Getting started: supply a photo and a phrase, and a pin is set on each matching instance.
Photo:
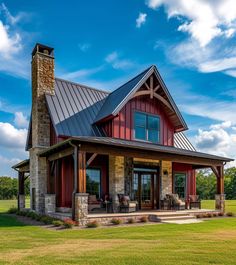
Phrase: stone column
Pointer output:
(81, 208)
(116, 178)
(166, 178)
(220, 202)
(50, 203)
(128, 169)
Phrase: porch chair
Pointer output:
(93, 203)
(194, 201)
(176, 202)
(126, 205)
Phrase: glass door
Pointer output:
(146, 190)
(143, 188)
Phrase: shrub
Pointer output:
(47, 220)
(116, 221)
(57, 223)
(205, 215)
(131, 221)
(12, 210)
(230, 214)
(215, 214)
(143, 219)
(220, 214)
(92, 224)
(68, 223)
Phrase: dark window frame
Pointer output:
(100, 181)
(185, 187)
(146, 127)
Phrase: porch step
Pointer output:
(172, 218)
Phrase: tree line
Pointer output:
(206, 185)
(9, 188)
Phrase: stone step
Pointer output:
(156, 218)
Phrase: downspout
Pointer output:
(75, 178)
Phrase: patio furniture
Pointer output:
(93, 203)
(194, 201)
(166, 204)
(107, 203)
(176, 202)
(126, 205)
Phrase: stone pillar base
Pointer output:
(50, 203)
(220, 202)
(81, 208)
(21, 201)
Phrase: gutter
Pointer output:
(75, 177)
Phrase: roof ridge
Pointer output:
(79, 84)
(146, 70)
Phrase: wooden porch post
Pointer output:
(80, 197)
(220, 196)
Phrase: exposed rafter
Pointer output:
(151, 90)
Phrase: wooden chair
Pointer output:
(194, 201)
(176, 202)
(126, 205)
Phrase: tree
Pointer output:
(9, 188)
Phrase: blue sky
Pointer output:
(104, 43)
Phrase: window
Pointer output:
(180, 185)
(146, 127)
(93, 182)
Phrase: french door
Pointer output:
(145, 189)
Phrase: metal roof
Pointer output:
(134, 145)
(118, 95)
(181, 141)
(74, 107)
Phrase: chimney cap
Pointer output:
(41, 48)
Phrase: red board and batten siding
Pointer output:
(122, 125)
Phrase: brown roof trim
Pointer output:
(133, 145)
(21, 164)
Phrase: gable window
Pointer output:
(146, 127)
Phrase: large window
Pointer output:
(180, 185)
(93, 182)
(146, 127)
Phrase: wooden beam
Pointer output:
(164, 101)
(81, 172)
(151, 86)
(61, 154)
(219, 173)
(147, 85)
(156, 88)
(142, 93)
(130, 152)
(93, 156)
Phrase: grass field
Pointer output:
(210, 242)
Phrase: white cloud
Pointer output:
(84, 47)
(118, 63)
(82, 73)
(210, 27)
(219, 139)
(11, 44)
(11, 137)
(141, 20)
(20, 120)
(6, 164)
(203, 20)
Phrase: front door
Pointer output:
(144, 184)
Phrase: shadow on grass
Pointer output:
(7, 220)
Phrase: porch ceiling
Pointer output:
(106, 145)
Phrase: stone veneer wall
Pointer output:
(42, 82)
(166, 180)
(116, 178)
(81, 208)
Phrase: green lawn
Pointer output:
(210, 242)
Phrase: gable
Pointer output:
(148, 83)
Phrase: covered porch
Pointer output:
(142, 171)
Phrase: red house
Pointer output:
(91, 148)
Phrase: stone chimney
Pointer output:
(42, 83)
